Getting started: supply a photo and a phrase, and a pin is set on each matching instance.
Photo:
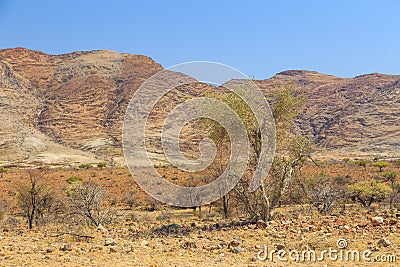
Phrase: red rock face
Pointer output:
(76, 102)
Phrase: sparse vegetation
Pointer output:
(362, 162)
(368, 192)
(380, 165)
(101, 165)
(88, 203)
(35, 198)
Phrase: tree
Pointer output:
(292, 148)
(323, 192)
(35, 198)
(88, 202)
(368, 192)
(380, 164)
(362, 162)
(391, 176)
(101, 165)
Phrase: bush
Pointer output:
(362, 163)
(368, 192)
(88, 203)
(85, 166)
(101, 165)
(346, 160)
(35, 198)
(74, 179)
(380, 164)
(3, 170)
(323, 192)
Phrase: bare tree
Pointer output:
(88, 203)
(35, 198)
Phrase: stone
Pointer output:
(144, 243)
(109, 242)
(66, 247)
(102, 229)
(49, 250)
(280, 246)
(261, 224)
(383, 242)
(363, 224)
(233, 243)
(113, 249)
(376, 221)
(95, 248)
(237, 250)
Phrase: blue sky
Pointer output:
(260, 38)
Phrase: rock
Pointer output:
(237, 250)
(223, 243)
(102, 229)
(376, 221)
(392, 222)
(363, 224)
(189, 244)
(66, 247)
(233, 243)
(346, 227)
(261, 224)
(109, 242)
(95, 248)
(280, 246)
(49, 250)
(383, 242)
(113, 249)
(144, 243)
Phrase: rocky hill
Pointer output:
(69, 108)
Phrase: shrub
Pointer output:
(88, 203)
(362, 163)
(74, 179)
(85, 166)
(380, 164)
(323, 192)
(368, 192)
(35, 198)
(346, 160)
(101, 165)
(3, 170)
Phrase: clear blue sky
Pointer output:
(261, 38)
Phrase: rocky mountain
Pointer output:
(69, 108)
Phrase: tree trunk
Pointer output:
(266, 213)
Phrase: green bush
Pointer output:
(346, 160)
(362, 163)
(101, 165)
(74, 179)
(368, 192)
(85, 166)
(380, 164)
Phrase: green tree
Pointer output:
(368, 192)
(362, 162)
(101, 165)
(380, 164)
(291, 147)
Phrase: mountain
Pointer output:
(62, 109)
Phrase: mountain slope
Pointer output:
(69, 108)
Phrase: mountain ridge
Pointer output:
(68, 108)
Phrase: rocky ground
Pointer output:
(149, 239)
(183, 237)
